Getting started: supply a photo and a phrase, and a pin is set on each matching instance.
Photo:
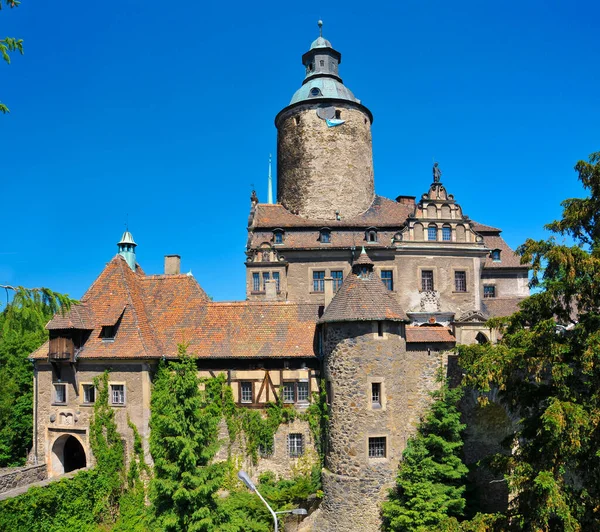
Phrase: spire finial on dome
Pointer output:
(320, 24)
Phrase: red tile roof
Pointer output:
(158, 312)
(383, 212)
(501, 306)
(363, 299)
(481, 228)
(508, 258)
(428, 334)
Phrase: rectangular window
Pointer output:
(376, 394)
(319, 281)
(338, 277)
(278, 237)
(265, 449)
(446, 234)
(60, 393)
(289, 392)
(303, 392)
(325, 237)
(489, 290)
(276, 279)
(377, 447)
(432, 233)
(117, 394)
(295, 445)
(380, 329)
(89, 394)
(460, 281)
(246, 392)
(266, 276)
(387, 276)
(108, 333)
(426, 280)
(256, 282)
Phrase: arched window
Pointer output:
(371, 235)
(446, 211)
(432, 232)
(278, 236)
(446, 233)
(481, 338)
(418, 232)
(460, 233)
(496, 255)
(325, 236)
(431, 211)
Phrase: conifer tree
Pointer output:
(183, 443)
(8, 45)
(547, 368)
(431, 480)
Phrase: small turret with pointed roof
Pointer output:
(127, 247)
(363, 297)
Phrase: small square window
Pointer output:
(489, 291)
(446, 234)
(376, 394)
(387, 276)
(338, 278)
(117, 394)
(295, 445)
(460, 281)
(60, 393)
(256, 282)
(246, 392)
(377, 447)
(427, 280)
(303, 392)
(108, 333)
(319, 281)
(289, 392)
(89, 394)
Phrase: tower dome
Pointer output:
(324, 149)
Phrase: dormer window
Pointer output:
(278, 236)
(325, 236)
(496, 255)
(108, 333)
(315, 92)
(371, 235)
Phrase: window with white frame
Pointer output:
(489, 290)
(289, 392)
(60, 393)
(460, 281)
(303, 392)
(295, 445)
(377, 447)
(117, 394)
(319, 281)
(246, 392)
(376, 394)
(89, 394)
(426, 280)
(495, 255)
(278, 237)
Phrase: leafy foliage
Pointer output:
(9, 44)
(21, 332)
(547, 367)
(431, 479)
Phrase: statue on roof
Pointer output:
(437, 173)
(253, 198)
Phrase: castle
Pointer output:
(364, 292)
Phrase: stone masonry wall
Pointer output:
(15, 477)
(322, 169)
(355, 357)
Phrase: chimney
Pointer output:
(328, 290)
(172, 264)
(271, 290)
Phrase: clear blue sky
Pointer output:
(163, 112)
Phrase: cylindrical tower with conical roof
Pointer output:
(324, 148)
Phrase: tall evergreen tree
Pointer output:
(431, 479)
(8, 45)
(547, 367)
(183, 442)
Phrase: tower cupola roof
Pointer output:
(127, 238)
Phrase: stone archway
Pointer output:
(67, 455)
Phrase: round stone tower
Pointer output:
(324, 148)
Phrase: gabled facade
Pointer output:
(364, 292)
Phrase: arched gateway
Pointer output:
(67, 455)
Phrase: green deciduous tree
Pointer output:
(183, 443)
(547, 367)
(8, 45)
(431, 479)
